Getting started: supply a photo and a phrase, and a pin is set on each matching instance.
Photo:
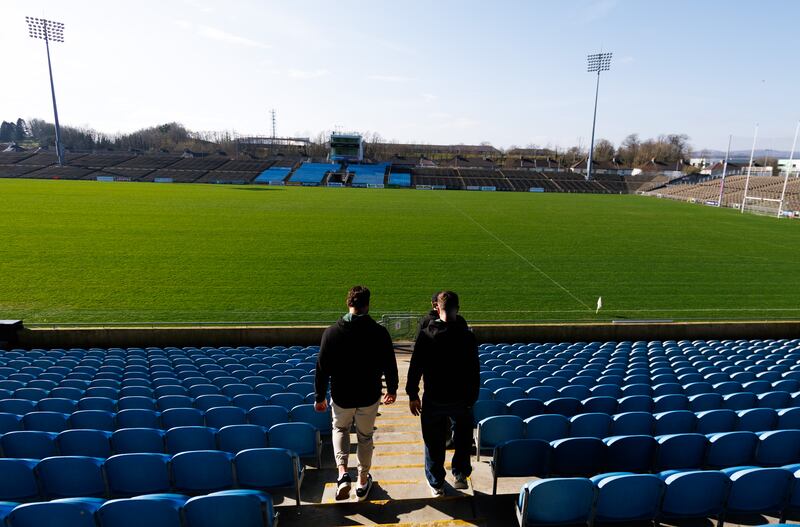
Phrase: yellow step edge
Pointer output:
(433, 523)
(406, 453)
(409, 465)
(415, 442)
(387, 501)
(384, 482)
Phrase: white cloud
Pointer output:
(213, 33)
(429, 97)
(388, 78)
(307, 74)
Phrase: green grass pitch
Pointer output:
(133, 252)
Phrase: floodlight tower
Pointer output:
(596, 62)
(48, 30)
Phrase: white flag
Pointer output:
(599, 304)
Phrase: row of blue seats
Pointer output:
(528, 406)
(216, 418)
(302, 437)
(218, 509)
(494, 430)
(587, 456)
(645, 344)
(125, 475)
(627, 497)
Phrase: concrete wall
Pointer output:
(310, 335)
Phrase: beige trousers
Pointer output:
(343, 419)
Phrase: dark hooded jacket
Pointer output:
(355, 353)
(434, 315)
(445, 357)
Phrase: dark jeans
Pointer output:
(435, 431)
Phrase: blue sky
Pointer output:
(511, 72)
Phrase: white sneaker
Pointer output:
(437, 492)
(343, 487)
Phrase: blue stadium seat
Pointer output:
(56, 404)
(105, 404)
(547, 427)
(187, 438)
(590, 425)
(247, 401)
(524, 408)
(556, 501)
(705, 401)
(543, 393)
(268, 389)
(93, 419)
(71, 477)
(301, 438)
(694, 494)
(633, 423)
(740, 401)
(30, 394)
(627, 497)
(136, 418)
(138, 440)
(137, 512)
(631, 453)
(222, 510)
(575, 391)
(668, 403)
(136, 402)
(206, 402)
(45, 421)
(577, 456)
(636, 389)
(731, 449)
(269, 469)
(137, 474)
(287, 400)
(10, 422)
(675, 422)
(90, 443)
(712, 421)
(635, 403)
(566, 406)
(483, 409)
(600, 404)
(165, 402)
(680, 451)
(778, 447)
(203, 389)
(29, 444)
(495, 430)
(788, 418)
(520, 457)
(508, 394)
(202, 471)
(305, 413)
(775, 400)
(18, 480)
(182, 417)
(143, 391)
(236, 388)
(17, 406)
(757, 419)
(58, 513)
(235, 438)
(267, 416)
(758, 490)
(220, 416)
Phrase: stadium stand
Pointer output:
(367, 175)
(438, 178)
(273, 174)
(100, 160)
(483, 178)
(232, 177)
(708, 191)
(44, 159)
(152, 162)
(120, 174)
(169, 175)
(199, 163)
(399, 179)
(12, 158)
(311, 173)
(59, 172)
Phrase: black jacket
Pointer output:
(446, 358)
(354, 355)
(431, 316)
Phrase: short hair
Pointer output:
(435, 297)
(358, 297)
(448, 300)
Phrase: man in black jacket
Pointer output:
(446, 357)
(355, 353)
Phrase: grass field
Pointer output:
(128, 252)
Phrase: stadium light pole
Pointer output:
(595, 63)
(48, 30)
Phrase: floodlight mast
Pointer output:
(596, 62)
(48, 30)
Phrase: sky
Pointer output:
(445, 72)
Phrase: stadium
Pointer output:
(166, 298)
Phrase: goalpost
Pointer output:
(766, 204)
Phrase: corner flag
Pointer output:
(599, 304)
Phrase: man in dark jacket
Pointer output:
(354, 355)
(445, 357)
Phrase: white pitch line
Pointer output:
(507, 246)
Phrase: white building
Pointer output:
(792, 165)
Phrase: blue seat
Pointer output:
(740, 401)
(10, 422)
(575, 391)
(778, 447)
(757, 419)
(17, 406)
(731, 449)
(268, 469)
(236, 388)
(93, 419)
(498, 429)
(305, 413)
(675, 422)
(267, 416)
(520, 457)
(206, 402)
(58, 513)
(631, 453)
(775, 400)
(566, 406)
(268, 389)
(758, 490)
(547, 427)
(220, 416)
(788, 418)
(524, 408)
(287, 400)
(694, 494)
(182, 417)
(712, 421)
(187, 438)
(627, 497)
(600, 404)
(640, 389)
(64, 392)
(727, 388)
(29, 444)
(30, 394)
(138, 440)
(144, 391)
(222, 510)
(247, 401)
(668, 403)
(136, 418)
(633, 423)
(136, 402)
(508, 394)
(300, 388)
(543, 393)
(680, 451)
(202, 471)
(18, 480)
(576, 456)
(705, 401)
(590, 425)
(301, 438)
(137, 512)
(496, 383)
(137, 474)
(45, 421)
(607, 390)
(484, 394)
(694, 388)
(57, 404)
(667, 388)
(105, 404)
(202, 388)
(757, 387)
(90, 443)
(483, 409)
(71, 477)
(165, 402)
(235, 438)
(635, 403)
(556, 501)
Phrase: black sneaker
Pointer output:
(343, 486)
(363, 491)
(461, 483)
